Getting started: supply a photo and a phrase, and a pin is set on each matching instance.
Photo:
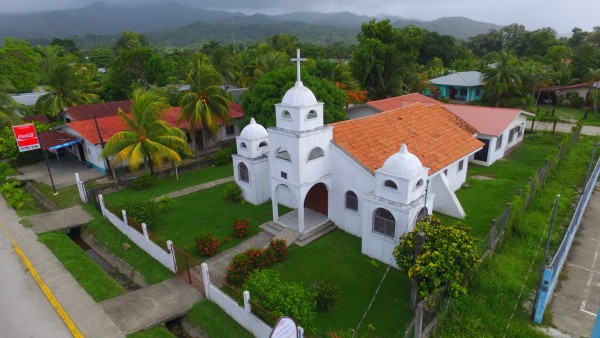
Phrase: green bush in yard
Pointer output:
(233, 192)
(325, 293)
(223, 155)
(143, 210)
(144, 182)
(282, 298)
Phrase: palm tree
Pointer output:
(8, 106)
(205, 102)
(150, 140)
(66, 86)
(593, 77)
(503, 78)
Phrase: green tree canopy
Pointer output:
(260, 101)
(131, 40)
(19, 63)
(503, 78)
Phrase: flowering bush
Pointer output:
(207, 245)
(244, 263)
(240, 228)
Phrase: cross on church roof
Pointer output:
(298, 59)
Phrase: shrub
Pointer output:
(142, 210)
(233, 192)
(223, 155)
(16, 197)
(282, 298)
(207, 245)
(164, 204)
(325, 293)
(279, 246)
(240, 228)
(144, 182)
(244, 263)
(444, 99)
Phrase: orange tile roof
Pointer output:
(403, 100)
(435, 135)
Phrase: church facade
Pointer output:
(369, 176)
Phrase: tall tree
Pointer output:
(131, 40)
(502, 79)
(150, 140)
(206, 101)
(19, 63)
(593, 78)
(8, 106)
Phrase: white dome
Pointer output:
(254, 131)
(299, 96)
(403, 164)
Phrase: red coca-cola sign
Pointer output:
(26, 137)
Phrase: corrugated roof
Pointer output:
(435, 135)
(53, 138)
(88, 111)
(463, 79)
(403, 100)
(487, 120)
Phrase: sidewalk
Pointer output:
(193, 189)
(88, 316)
(562, 127)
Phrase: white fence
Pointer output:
(166, 258)
(242, 315)
(81, 188)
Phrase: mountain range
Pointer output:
(175, 24)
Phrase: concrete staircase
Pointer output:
(294, 237)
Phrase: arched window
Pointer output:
(351, 201)
(390, 184)
(384, 223)
(311, 115)
(263, 144)
(243, 145)
(419, 184)
(315, 153)
(286, 115)
(283, 154)
(243, 172)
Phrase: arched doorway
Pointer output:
(317, 199)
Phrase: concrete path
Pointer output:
(88, 316)
(63, 174)
(577, 298)
(152, 305)
(192, 189)
(59, 219)
(563, 128)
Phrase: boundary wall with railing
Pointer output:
(552, 271)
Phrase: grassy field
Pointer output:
(494, 290)
(207, 211)
(572, 114)
(483, 200)
(104, 232)
(159, 331)
(97, 283)
(337, 257)
(214, 321)
(171, 184)
(66, 198)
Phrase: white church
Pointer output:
(373, 176)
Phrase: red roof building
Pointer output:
(88, 111)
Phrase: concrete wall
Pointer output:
(446, 201)
(258, 189)
(360, 111)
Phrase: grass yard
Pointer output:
(66, 198)
(159, 331)
(566, 113)
(104, 232)
(171, 184)
(97, 283)
(207, 211)
(337, 257)
(483, 200)
(214, 321)
(495, 288)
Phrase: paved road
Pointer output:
(563, 128)
(24, 310)
(577, 298)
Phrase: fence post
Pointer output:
(532, 123)
(491, 245)
(419, 320)
(300, 332)
(145, 231)
(205, 279)
(124, 213)
(102, 207)
(507, 217)
(171, 250)
(247, 308)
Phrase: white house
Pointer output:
(500, 129)
(373, 177)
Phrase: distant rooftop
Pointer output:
(463, 79)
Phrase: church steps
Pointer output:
(315, 234)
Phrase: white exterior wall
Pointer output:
(258, 189)
(496, 154)
(347, 174)
(360, 111)
(519, 121)
(455, 177)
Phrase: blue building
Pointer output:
(461, 86)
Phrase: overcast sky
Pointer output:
(561, 15)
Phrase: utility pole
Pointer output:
(108, 166)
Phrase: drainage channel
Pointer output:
(75, 235)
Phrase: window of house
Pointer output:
(511, 135)
(463, 92)
(390, 184)
(461, 165)
(243, 145)
(243, 172)
(499, 142)
(283, 174)
(283, 154)
(286, 115)
(315, 153)
(230, 130)
(520, 130)
(351, 201)
(384, 223)
(263, 144)
(477, 92)
(311, 114)
(419, 184)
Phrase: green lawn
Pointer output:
(483, 200)
(214, 321)
(337, 257)
(104, 232)
(207, 211)
(566, 113)
(171, 184)
(155, 332)
(67, 196)
(96, 282)
(493, 292)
